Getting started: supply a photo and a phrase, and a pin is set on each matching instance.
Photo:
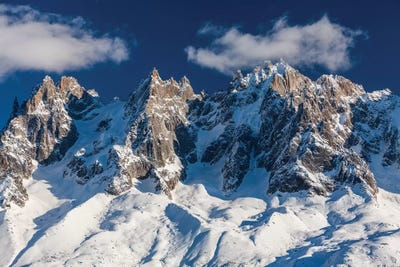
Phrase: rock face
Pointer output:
(293, 127)
(303, 146)
(154, 111)
(308, 135)
(41, 134)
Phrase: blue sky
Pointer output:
(112, 45)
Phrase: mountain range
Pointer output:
(275, 170)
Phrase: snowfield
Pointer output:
(68, 225)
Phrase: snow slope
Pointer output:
(199, 227)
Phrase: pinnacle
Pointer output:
(155, 74)
(47, 79)
(184, 80)
(68, 78)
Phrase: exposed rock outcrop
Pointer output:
(304, 132)
(41, 133)
(308, 135)
(155, 110)
(296, 129)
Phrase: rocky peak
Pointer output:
(70, 86)
(307, 135)
(155, 89)
(296, 127)
(156, 110)
(47, 80)
(339, 86)
(170, 88)
(43, 132)
(46, 93)
(291, 82)
(50, 95)
(304, 132)
(155, 75)
(184, 81)
(260, 74)
(237, 81)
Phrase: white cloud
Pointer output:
(31, 40)
(322, 43)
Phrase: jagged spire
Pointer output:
(184, 80)
(238, 75)
(47, 79)
(155, 74)
(236, 81)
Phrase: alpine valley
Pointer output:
(276, 170)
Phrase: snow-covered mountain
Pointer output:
(276, 170)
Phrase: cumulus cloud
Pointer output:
(31, 40)
(322, 43)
